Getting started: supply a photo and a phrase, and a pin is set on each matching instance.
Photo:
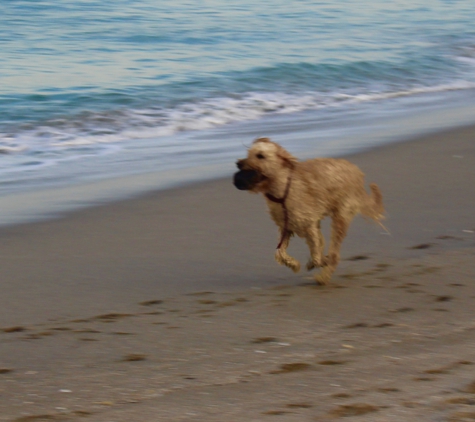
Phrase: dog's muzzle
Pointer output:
(246, 179)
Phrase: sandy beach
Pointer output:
(170, 306)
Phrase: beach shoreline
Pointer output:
(134, 168)
(169, 305)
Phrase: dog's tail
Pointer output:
(374, 207)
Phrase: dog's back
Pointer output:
(337, 184)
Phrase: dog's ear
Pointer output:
(287, 158)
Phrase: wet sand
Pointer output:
(170, 306)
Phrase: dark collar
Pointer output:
(285, 229)
(282, 200)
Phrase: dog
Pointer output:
(300, 194)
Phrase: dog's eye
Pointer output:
(260, 156)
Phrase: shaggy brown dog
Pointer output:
(300, 194)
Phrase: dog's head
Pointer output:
(265, 161)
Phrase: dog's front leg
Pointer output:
(316, 244)
(281, 255)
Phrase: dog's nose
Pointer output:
(240, 164)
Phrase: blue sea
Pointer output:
(92, 91)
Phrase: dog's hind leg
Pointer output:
(281, 255)
(316, 244)
(339, 229)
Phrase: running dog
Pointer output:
(299, 194)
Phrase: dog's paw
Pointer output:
(311, 264)
(288, 261)
(294, 266)
(322, 279)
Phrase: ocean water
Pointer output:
(91, 90)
